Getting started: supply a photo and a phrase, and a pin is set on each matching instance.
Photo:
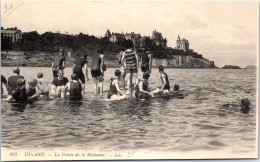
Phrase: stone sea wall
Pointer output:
(179, 61)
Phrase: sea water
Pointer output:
(208, 118)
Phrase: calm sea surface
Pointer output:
(208, 118)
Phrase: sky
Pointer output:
(225, 32)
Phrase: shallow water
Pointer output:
(208, 118)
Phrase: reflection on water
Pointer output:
(208, 118)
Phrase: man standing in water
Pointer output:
(146, 60)
(122, 69)
(58, 63)
(12, 80)
(97, 71)
(130, 61)
(77, 69)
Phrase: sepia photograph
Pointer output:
(129, 80)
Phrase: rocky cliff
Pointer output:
(43, 59)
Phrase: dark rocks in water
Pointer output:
(231, 67)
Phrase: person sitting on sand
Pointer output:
(165, 88)
(19, 93)
(114, 92)
(142, 88)
(58, 84)
(74, 88)
(32, 91)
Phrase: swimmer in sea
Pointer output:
(3, 81)
(97, 71)
(165, 88)
(130, 63)
(19, 95)
(77, 69)
(32, 91)
(114, 92)
(12, 80)
(74, 87)
(245, 105)
(58, 85)
(42, 86)
(146, 60)
(142, 88)
(58, 62)
(122, 69)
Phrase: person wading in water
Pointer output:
(146, 62)
(122, 69)
(97, 71)
(77, 69)
(114, 92)
(130, 63)
(74, 88)
(142, 88)
(12, 80)
(58, 63)
(165, 88)
(58, 85)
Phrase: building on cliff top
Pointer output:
(12, 34)
(108, 34)
(116, 37)
(132, 36)
(137, 39)
(158, 39)
(182, 44)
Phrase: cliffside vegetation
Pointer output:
(82, 44)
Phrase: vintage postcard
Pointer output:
(119, 80)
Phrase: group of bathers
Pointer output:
(63, 88)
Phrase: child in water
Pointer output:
(74, 88)
(114, 92)
(142, 88)
(18, 95)
(165, 88)
(32, 92)
(42, 86)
